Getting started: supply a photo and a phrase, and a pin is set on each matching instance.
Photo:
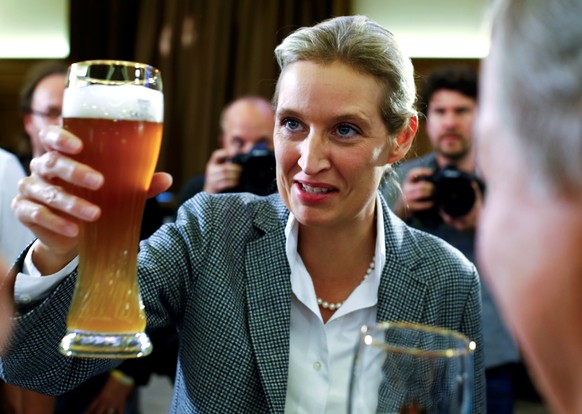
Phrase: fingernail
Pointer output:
(90, 212)
(74, 144)
(93, 180)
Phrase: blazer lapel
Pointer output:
(402, 292)
(401, 296)
(269, 301)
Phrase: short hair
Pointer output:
(33, 77)
(365, 46)
(460, 79)
(538, 66)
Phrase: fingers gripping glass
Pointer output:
(116, 109)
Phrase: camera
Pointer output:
(258, 171)
(453, 191)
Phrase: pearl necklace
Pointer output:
(334, 306)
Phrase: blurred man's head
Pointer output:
(246, 123)
(450, 99)
(41, 100)
(529, 139)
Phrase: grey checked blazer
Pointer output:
(220, 273)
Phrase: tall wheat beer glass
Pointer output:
(116, 109)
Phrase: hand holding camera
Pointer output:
(258, 171)
(252, 172)
(452, 194)
(220, 174)
(417, 190)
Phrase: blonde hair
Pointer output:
(368, 48)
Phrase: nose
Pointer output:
(314, 154)
(450, 120)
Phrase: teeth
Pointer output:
(315, 190)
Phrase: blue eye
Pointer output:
(346, 131)
(292, 124)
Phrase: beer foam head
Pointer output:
(119, 102)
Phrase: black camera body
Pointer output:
(453, 191)
(258, 171)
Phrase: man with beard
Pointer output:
(449, 100)
(429, 203)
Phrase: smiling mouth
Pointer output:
(315, 190)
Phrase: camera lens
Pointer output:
(258, 172)
(456, 198)
(454, 192)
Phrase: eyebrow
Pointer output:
(286, 111)
(350, 116)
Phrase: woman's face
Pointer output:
(331, 144)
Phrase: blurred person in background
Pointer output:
(529, 138)
(246, 123)
(41, 103)
(450, 98)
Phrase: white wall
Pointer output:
(34, 28)
(433, 28)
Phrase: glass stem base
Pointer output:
(113, 345)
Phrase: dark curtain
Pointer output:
(103, 29)
(211, 52)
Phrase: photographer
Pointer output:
(442, 195)
(247, 124)
(450, 104)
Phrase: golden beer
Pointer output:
(116, 109)
(126, 153)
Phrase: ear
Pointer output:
(28, 124)
(403, 141)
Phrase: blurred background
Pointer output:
(210, 52)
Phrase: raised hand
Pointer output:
(47, 207)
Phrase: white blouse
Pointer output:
(321, 355)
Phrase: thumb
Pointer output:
(160, 182)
